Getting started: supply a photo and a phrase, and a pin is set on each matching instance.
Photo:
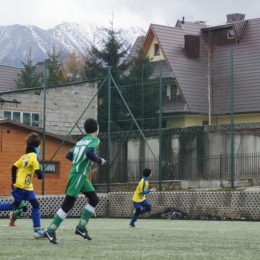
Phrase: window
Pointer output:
(156, 49)
(230, 34)
(50, 168)
(8, 114)
(16, 116)
(27, 118)
(35, 119)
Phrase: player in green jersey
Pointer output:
(82, 155)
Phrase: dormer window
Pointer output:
(230, 34)
(156, 49)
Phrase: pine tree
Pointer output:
(29, 78)
(96, 64)
(53, 66)
(141, 93)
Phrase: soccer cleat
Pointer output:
(131, 225)
(39, 234)
(12, 220)
(83, 233)
(51, 236)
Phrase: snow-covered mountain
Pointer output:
(15, 40)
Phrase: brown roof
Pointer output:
(191, 74)
(34, 129)
(186, 71)
(7, 76)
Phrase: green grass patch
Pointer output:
(151, 239)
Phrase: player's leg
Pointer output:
(61, 214)
(86, 214)
(146, 207)
(20, 208)
(18, 205)
(136, 214)
(5, 206)
(36, 218)
(72, 191)
(93, 200)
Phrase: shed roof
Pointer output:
(34, 129)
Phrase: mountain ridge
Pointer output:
(16, 40)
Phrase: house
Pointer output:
(205, 64)
(62, 74)
(12, 146)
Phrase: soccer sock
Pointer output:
(22, 204)
(6, 206)
(134, 218)
(17, 213)
(36, 218)
(86, 215)
(58, 218)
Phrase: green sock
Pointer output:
(17, 213)
(55, 223)
(86, 215)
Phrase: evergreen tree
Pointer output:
(29, 78)
(53, 66)
(96, 67)
(141, 92)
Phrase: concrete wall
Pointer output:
(195, 153)
(64, 105)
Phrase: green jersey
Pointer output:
(81, 164)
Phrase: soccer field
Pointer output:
(151, 239)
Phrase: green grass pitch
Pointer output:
(151, 239)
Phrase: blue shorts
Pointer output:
(142, 204)
(20, 194)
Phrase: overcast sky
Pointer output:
(48, 13)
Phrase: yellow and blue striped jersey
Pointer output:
(141, 190)
(26, 165)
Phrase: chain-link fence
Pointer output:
(198, 126)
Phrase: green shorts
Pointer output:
(78, 183)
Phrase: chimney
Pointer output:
(231, 18)
(182, 20)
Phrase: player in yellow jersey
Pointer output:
(22, 176)
(141, 204)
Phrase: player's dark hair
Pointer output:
(146, 172)
(91, 125)
(33, 140)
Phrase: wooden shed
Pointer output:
(12, 147)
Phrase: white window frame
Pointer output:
(21, 116)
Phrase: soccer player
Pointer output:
(82, 155)
(22, 175)
(141, 204)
